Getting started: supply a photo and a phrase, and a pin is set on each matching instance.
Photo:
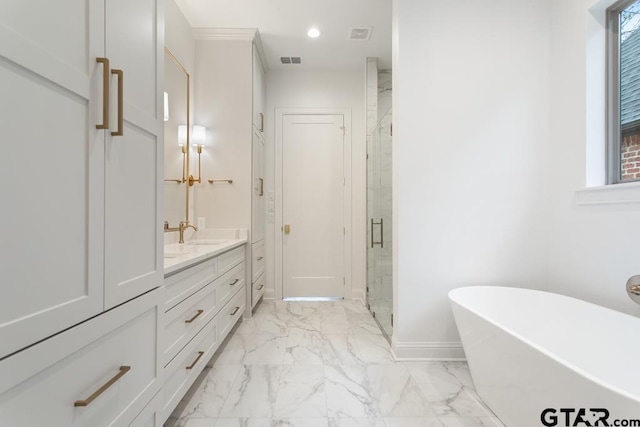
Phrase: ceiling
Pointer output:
(283, 26)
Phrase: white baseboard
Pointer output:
(427, 351)
(358, 294)
(269, 293)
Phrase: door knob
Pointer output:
(287, 229)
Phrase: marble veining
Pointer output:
(325, 364)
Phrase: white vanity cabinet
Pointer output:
(258, 200)
(82, 202)
(102, 372)
(203, 302)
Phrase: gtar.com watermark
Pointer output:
(586, 417)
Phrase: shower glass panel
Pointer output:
(379, 212)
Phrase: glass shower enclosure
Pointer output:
(379, 230)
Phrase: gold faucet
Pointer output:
(183, 226)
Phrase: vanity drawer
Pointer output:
(183, 321)
(231, 312)
(181, 285)
(230, 259)
(100, 373)
(151, 415)
(183, 370)
(257, 264)
(229, 284)
(257, 290)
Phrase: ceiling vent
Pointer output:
(360, 33)
(290, 60)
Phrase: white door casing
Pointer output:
(313, 198)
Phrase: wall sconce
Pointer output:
(166, 107)
(183, 136)
(199, 139)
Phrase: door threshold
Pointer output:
(313, 299)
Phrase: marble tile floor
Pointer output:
(325, 364)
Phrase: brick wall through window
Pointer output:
(631, 156)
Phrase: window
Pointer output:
(623, 115)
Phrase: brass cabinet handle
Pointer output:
(259, 258)
(120, 75)
(200, 353)
(260, 287)
(234, 282)
(88, 400)
(261, 187)
(194, 317)
(235, 310)
(105, 93)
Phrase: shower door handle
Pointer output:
(381, 224)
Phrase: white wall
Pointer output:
(293, 89)
(471, 142)
(223, 104)
(178, 37)
(593, 246)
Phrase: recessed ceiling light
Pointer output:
(313, 33)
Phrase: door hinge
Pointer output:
(392, 320)
(344, 130)
(344, 231)
(367, 289)
(369, 307)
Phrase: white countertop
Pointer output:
(205, 244)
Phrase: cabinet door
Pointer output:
(258, 91)
(133, 258)
(51, 169)
(257, 202)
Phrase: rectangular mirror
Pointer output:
(176, 143)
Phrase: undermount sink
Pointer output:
(208, 242)
(174, 254)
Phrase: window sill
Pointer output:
(616, 194)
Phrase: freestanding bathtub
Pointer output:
(542, 359)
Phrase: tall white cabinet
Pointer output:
(80, 178)
(230, 100)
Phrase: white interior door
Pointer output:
(313, 205)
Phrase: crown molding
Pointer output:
(248, 34)
(234, 34)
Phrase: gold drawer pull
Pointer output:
(259, 258)
(234, 282)
(194, 317)
(235, 310)
(200, 353)
(105, 93)
(260, 287)
(120, 75)
(123, 370)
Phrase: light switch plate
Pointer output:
(271, 207)
(271, 218)
(201, 222)
(271, 196)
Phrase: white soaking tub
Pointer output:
(543, 359)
